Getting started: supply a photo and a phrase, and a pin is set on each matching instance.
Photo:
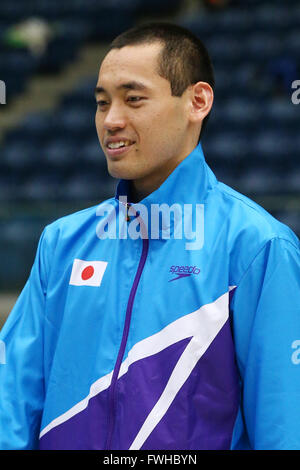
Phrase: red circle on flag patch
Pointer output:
(87, 273)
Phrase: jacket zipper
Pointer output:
(114, 379)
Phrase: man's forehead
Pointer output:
(140, 58)
(135, 65)
(125, 85)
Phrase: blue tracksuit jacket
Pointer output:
(162, 342)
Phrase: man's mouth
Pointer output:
(119, 144)
(116, 147)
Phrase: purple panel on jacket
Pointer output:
(85, 430)
(203, 414)
(140, 388)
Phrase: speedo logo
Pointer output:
(183, 271)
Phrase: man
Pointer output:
(130, 334)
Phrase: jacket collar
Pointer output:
(187, 184)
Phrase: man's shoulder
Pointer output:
(250, 230)
(249, 217)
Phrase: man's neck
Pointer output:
(135, 194)
(141, 188)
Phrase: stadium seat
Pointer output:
(292, 42)
(60, 153)
(262, 46)
(224, 49)
(293, 179)
(35, 128)
(88, 187)
(92, 153)
(270, 17)
(240, 113)
(271, 145)
(60, 51)
(20, 155)
(76, 120)
(291, 218)
(258, 181)
(41, 187)
(10, 188)
(281, 112)
(230, 146)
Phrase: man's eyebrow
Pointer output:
(99, 89)
(132, 85)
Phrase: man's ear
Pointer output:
(201, 100)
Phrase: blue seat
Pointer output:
(59, 153)
(159, 7)
(20, 155)
(202, 26)
(229, 146)
(53, 9)
(17, 62)
(88, 187)
(16, 261)
(92, 153)
(82, 95)
(270, 17)
(292, 42)
(291, 219)
(261, 181)
(249, 80)
(225, 174)
(78, 29)
(224, 49)
(42, 187)
(271, 145)
(35, 128)
(241, 113)
(16, 67)
(76, 120)
(281, 112)
(19, 230)
(293, 180)
(10, 188)
(13, 12)
(223, 80)
(262, 46)
(282, 71)
(60, 51)
(234, 21)
(18, 242)
(86, 86)
(77, 99)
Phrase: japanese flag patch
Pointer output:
(87, 273)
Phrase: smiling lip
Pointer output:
(119, 151)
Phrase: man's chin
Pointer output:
(120, 173)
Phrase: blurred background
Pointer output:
(51, 163)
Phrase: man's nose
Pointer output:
(115, 118)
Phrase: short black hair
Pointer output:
(183, 60)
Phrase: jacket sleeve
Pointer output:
(21, 370)
(266, 317)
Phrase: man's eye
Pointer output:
(134, 98)
(102, 103)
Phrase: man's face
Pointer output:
(141, 127)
